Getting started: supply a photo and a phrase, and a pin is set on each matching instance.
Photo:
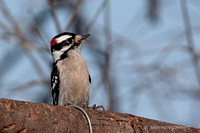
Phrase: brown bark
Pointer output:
(22, 117)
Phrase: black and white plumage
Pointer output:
(69, 77)
(55, 84)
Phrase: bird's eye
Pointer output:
(69, 40)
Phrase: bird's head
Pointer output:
(65, 42)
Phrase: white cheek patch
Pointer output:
(57, 54)
(63, 38)
(65, 48)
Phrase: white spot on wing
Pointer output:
(54, 85)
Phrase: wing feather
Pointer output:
(90, 80)
(55, 84)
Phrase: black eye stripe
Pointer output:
(69, 40)
(56, 47)
(66, 42)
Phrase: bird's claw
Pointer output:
(97, 107)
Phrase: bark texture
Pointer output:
(27, 117)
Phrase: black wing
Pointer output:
(90, 80)
(55, 84)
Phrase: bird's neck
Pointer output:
(60, 55)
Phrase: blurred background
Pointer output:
(143, 55)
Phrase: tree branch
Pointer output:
(22, 117)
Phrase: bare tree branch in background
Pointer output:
(153, 9)
(96, 15)
(190, 41)
(107, 69)
(74, 14)
(53, 13)
(15, 35)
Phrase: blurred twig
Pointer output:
(107, 78)
(74, 14)
(29, 84)
(53, 13)
(96, 15)
(189, 39)
(8, 16)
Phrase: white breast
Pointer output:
(75, 84)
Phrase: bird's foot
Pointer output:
(97, 107)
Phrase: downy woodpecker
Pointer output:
(69, 77)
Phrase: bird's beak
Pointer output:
(85, 36)
(79, 38)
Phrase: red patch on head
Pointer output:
(53, 42)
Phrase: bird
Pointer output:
(70, 77)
